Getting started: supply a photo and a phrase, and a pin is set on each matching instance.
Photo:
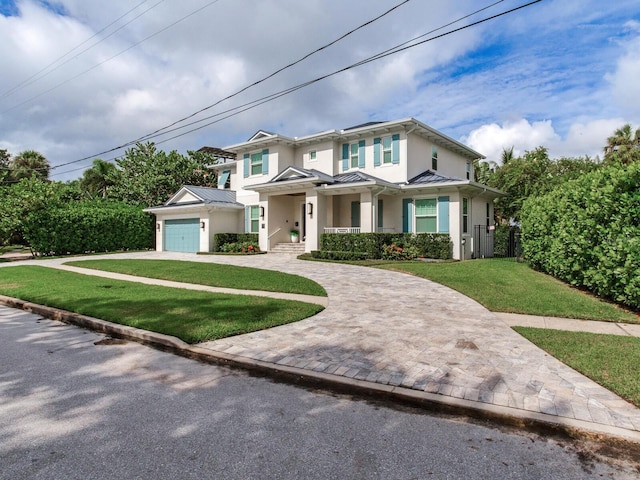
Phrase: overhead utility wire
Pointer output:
(112, 57)
(362, 62)
(324, 47)
(32, 79)
(165, 131)
(268, 98)
(156, 133)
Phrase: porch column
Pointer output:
(316, 219)
(366, 212)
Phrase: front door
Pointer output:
(355, 214)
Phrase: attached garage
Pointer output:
(182, 235)
(190, 219)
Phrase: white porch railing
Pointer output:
(342, 230)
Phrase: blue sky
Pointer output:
(563, 74)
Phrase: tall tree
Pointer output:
(5, 165)
(97, 180)
(623, 147)
(149, 176)
(29, 163)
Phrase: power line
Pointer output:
(36, 76)
(112, 57)
(157, 132)
(255, 103)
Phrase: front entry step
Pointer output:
(292, 248)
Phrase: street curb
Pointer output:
(507, 416)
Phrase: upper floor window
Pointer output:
(224, 180)
(313, 155)
(353, 155)
(468, 170)
(256, 163)
(434, 158)
(386, 150)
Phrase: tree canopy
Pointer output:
(148, 176)
(623, 147)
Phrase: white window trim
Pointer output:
(352, 156)
(251, 164)
(251, 218)
(383, 149)
(415, 216)
(313, 159)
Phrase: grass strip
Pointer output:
(187, 314)
(512, 287)
(610, 360)
(211, 274)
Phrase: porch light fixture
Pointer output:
(158, 226)
(202, 225)
(310, 209)
(261, 212)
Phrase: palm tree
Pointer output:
(623, 146)
(507, 155)
(29, 163)
(97, 179)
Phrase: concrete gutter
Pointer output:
(508, 416)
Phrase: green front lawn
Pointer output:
(211, 274)
(509, 286)
(189, 315)
(610, 360)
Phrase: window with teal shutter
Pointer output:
(223, 179)
(443, 214)
(407, 215)
(376, 152)
(345, 157)
(387, 153)
(361, 154)
(246, 162)
(395, 148)
(353, 155)
(265, 161)
(426, 215)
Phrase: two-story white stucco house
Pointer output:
(398, 176)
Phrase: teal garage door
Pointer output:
(182, 235)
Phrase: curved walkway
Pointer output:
(395, 329)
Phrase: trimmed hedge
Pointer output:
(587, 232)
(428, 245)
(220, 239)
(82, 227)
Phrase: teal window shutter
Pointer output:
(395, 148)
(345, 157)
(361, 154)
(265, 161)
(443, 214)
(380, 213)
(407, 214)
(247, 214)
(222, 180)
(376, 152)
(247, 160)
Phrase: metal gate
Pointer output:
(483, 241)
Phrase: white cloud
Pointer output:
(588, 138)
(625, 81)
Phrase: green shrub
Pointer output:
(240, 247)
(221, 239)
(587, 232)
(82, 227)
(427, 245)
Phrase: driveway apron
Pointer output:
(396, 329)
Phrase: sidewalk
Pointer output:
(402, 336)
(572, 325)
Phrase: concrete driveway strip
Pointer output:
(395, 329)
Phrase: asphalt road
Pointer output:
(75, 405)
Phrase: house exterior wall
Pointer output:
(450, 164)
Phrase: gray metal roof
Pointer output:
(212, 195)
(430, 177)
